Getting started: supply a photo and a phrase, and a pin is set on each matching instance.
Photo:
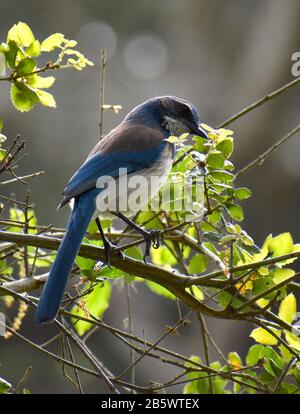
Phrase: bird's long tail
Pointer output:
(84, 208)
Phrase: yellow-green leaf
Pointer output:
(159, 290)
(46, 98)
(196, 291)
(21, 34)
(261, 336)
(288, 308)
(96, 303)
(34, 49)
(281, 244)
(293, 340)
(235, 211)
(52, 42)
(279, 275)
(235, 360)
(43, 83)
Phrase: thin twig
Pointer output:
(103, 62)
(261, 158)
(260, 102)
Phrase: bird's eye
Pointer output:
(185, 110)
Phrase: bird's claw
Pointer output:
(154, 237)
(110, 249)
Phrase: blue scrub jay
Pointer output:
(138, 145)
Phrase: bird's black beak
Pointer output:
(197, 130)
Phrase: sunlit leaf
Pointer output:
(262, 336)
(242, 193)
(46, 98)
(21, 34)
(215, 160)
(235, 360)
(288, 308)
(281, 244)
(221, 175)
(52, 42)
(235, 211)
(293, 340)
(96, 303)
(40, 82)
(34, 49)
(226, 147)
(159, 290)
(198, 264)
(254, 354)
(197, 292)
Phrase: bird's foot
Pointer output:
(154, 237)
(110, 249)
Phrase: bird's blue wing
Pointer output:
(101, 164)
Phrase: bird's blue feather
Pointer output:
(109, 164)
(54, 288)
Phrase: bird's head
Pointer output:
(175, 115)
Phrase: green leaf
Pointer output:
(134, 252)
(221, 175)
(11, 54)
(96, 302)
(293, 340)
(285, 388)
(254, 354)
(281, 244)
(22, 97)
(262, 284)
(198, 264)
(273, 364)
(111, 273)
(163, 257)
(262, 336)
(52, 42)
(235, 360)
(46, 98)
(34, 49)
(21, 34)
(215, 160)
(26, 66)
(286, 355)
(41, 83)
(279, 275)
(226, 147)
(86, 266)
(242, 193)
(288, 308)
(159, 290)
(197, 292)
(235, 211)
(4, 386)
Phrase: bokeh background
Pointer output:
(220, 55)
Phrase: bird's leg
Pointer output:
(108, 245)
(153, 236)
